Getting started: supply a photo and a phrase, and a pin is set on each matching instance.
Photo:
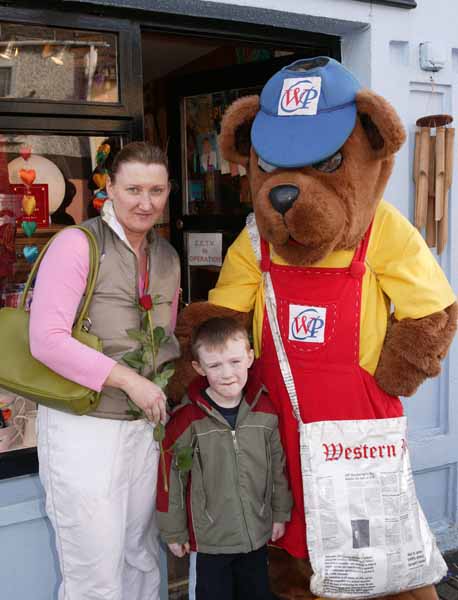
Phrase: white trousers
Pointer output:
(100, 478)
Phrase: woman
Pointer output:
(99, 470)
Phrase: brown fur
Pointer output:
(332, 212)
(413, 351)
(334, 209)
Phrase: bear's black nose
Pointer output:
(283, 197)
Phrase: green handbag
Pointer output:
(24, 375)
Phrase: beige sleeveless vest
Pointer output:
(114, 306)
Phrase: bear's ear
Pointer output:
(234, 139)
(380, 122)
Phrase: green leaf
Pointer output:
(159, 335)
(168, 366)
(147, 357)
(161, 380)
(134, 413)
(133, 359)
(184, 458)
(159, 432)
(135, 334)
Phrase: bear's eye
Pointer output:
(264, 166)
(329, 165)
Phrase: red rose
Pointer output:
(146, 302)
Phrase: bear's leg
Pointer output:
(290, 579)
(289, 576)
(424, 593)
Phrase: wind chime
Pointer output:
(432, 174)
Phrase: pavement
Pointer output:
(447, 589)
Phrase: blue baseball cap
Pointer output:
(307, 111)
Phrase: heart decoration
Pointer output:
(28, 227)
(27, 176)
(25, 152)
(28, 204)
(99, 179)
(30, 253)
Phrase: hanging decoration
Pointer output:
(432, 174)
(29, 205)
(28, 227)
(100, 174)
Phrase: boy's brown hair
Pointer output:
(215, 333)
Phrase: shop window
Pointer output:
(57, 64)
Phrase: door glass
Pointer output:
(48, 63)
(213, 186)
(204, 256)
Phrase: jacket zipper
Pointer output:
(236, 450)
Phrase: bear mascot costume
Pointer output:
(364, 311)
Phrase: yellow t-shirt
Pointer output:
(400, 269)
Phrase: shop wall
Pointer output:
(26, 548)
(381, 45)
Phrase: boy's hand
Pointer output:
(278, 530)
(180, 550)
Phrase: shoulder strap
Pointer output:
(263, 256)
(260, 246)
(361, 251)
(94, 260)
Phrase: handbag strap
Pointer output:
(94, 260)
(271, 307)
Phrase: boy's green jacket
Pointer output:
(237, 485)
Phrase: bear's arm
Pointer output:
(421, 330)
(413, 351)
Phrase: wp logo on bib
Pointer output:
(307, 323)
(299, 96)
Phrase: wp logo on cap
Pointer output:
(319, 96)
(299, 96)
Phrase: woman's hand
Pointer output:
(278, 531)
(143, 392)
(179, 550)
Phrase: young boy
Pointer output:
(235, 497)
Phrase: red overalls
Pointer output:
(329, 382)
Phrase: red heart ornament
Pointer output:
(27, 176)
(25, 152)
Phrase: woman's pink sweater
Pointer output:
(59, 287)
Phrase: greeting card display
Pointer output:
(34, 205)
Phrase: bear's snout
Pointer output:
(282, 197)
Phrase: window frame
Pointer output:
(128, 64)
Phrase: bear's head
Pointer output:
(318, 151)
